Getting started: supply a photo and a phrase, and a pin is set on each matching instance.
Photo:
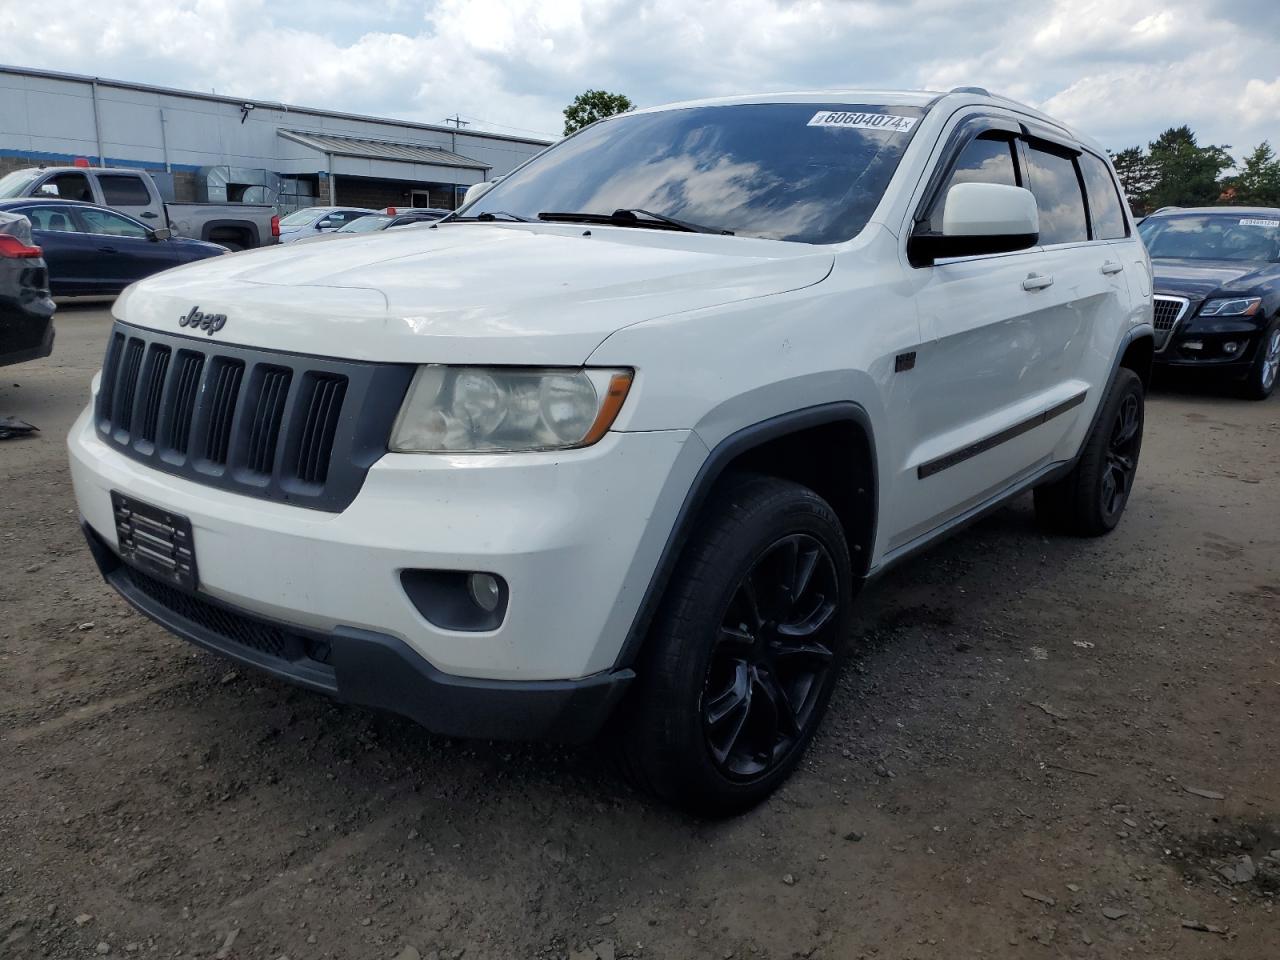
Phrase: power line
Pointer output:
(507, 126)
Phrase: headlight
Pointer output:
(503, 409)
(1231, 307)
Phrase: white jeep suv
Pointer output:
(621, 439)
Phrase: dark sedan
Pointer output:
(92, 250)
(1217, 291)
(26, 308)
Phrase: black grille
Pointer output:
(273, 425)
(245, 631)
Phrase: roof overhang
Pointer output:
(382, 159)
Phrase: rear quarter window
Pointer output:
(1105, 207)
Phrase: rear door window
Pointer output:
(1052, 178)
(1105, 207)
(52, 219)
(123, 190)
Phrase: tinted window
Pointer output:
(1052, 178)
(111, 224)
(123, 191)
(68, 186)
(53, 219)
(1104, 199)
(984, 160)
(809, 172)
(1240, 236)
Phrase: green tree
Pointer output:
(1137, 176)
(591, 106)
(1258, 182)
(1186, 174)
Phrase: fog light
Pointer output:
(1230, 347)
(484, 591)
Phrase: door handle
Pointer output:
(1037, 281)
(150, 214)
(1111, 266)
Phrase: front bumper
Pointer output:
(1226, 344)
(575, 535)
(371, 669)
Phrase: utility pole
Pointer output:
(458, 124)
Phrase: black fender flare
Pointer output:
(712, 469)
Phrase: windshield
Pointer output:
(1214, 236)
(808, 172)
(301, 217)
(365, 224)
(14, 184)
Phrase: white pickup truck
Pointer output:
(236, 226)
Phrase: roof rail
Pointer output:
(1163, 210)
(981, 91)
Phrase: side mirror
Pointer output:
(161, 233)
(980, 218)
(324, 223)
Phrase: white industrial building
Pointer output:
(205, 146)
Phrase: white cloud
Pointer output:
(1121, 70)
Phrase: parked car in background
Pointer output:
(375, 222)
(26, 306)
(236, 226)
(620, 436)
(312, 221)
(91, 250)
(1217, 292)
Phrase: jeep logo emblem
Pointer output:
(210, 323)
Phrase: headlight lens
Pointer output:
(1231, 307)
(505, 409)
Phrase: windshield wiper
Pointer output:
(489, 216)
(631, 218)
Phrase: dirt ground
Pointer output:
(1044, 748)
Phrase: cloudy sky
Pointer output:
(1121, 70)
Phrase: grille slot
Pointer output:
(127, 386)
(153, 391)
(268, 412)
(278, 426)
(110, 370)
(182, 400)
(224, 388)
(324, 408)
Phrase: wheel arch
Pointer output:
(234, 230)
(829, 448)
(1138, 354)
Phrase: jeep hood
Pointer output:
(468, 293)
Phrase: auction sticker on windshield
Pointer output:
(862, 121)
(1256, 222)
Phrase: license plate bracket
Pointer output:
(156, 541)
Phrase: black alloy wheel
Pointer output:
(1122, 455)
(775, 648)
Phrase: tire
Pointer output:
(715, 663)
(1090, 500)
(1260, 382)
